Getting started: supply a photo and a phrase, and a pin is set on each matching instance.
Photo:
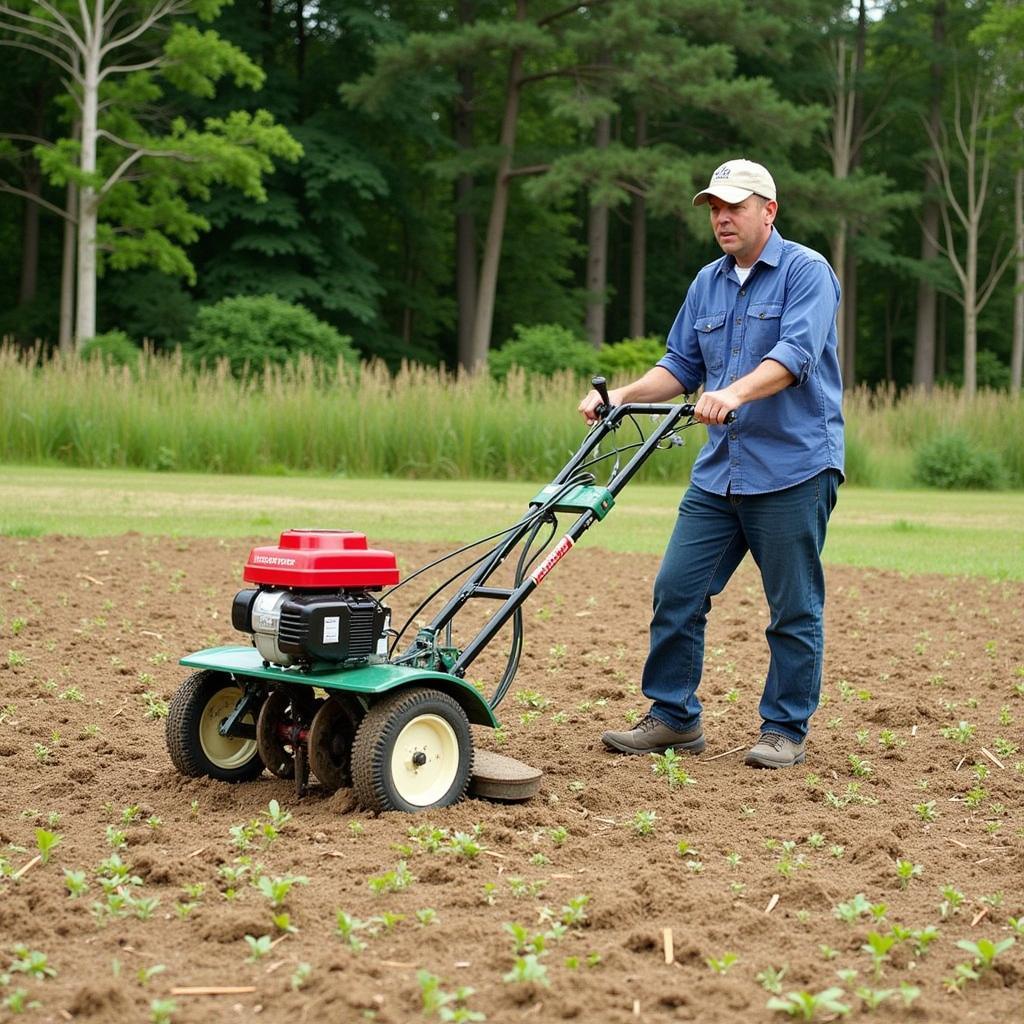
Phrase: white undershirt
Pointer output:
(742, 273)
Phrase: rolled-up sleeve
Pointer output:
(808, 317)
(683, 357)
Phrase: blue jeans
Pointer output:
(785, 532)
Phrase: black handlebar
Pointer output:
(600, 385)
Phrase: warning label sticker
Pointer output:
(331, 628)
(554, 557)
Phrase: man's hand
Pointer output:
(590, 404)
(714, 406)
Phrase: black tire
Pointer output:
(196, 710)
(330, 741)
(291, 706)
(396, 732)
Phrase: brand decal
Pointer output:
(723, 172)
(273, 560)
(554, 557)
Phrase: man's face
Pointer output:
(742, 229)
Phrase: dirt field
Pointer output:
(752, 872)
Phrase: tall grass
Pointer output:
(419, 423)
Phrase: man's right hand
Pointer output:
(593, 401)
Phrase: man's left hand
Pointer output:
(714, 406)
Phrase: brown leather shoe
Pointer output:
(774, 750)
(650, 736)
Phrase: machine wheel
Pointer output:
(194, 717)
(413, 751)
(291, 710)
(330, 741)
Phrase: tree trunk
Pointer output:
(971, 311)
(33, 183)
(597, 250)
(88, 199)
(465, 229)
(848, 313)
(638, 247)
(483, 319)
(925, 329)
(1017, 349)
(66, 336)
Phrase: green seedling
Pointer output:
(853, 910)
(873, 997)
(771, 980)
(392, 881)
(859, 766)
(985, 951)
(276, 889)
(952, 899)
(575, 911)
(527, 970)
(156, 706)
(810, 1006)
(75, 883)
(465, 844)
(521, 888)
(721, 965)
(643, 822)
(558, 835)
(347, 927)
(31, 962)
(670, 767)
(923, 938)
(878, 947)
(46, 843)
(962, 732)
(17, 1001)
(426, 916)
(907, 871)
(258, 947)
(926, 811)
(146, 974)
(302, 973)
(160, 1010)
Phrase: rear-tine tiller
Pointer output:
(322, 687)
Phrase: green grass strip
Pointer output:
(954, 533)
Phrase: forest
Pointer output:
(427, 176)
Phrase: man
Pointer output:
(757, 329)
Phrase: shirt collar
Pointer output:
(771, 254)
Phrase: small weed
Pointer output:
(810, 1006)
(392, 881)
(670, 767)
(721, 965)
(642, 822)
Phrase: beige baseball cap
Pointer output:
(735, 180)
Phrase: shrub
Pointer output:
(630, 358)
(951, 461)
(544, 349)
(261, 329)
(112, 347)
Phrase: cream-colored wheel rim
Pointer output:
(425, 760)
(224, 751)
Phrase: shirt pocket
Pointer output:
(710, 328)
(763, 326)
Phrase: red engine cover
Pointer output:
(322, 559)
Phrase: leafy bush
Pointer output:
(630, 358)
(261, 329)
(112, 347)
(951, 461)
(544, 349)
(992, 371)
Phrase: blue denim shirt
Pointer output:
(785, 311)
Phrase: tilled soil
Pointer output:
(903, 831)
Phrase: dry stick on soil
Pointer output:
(726, 753)
(978, 916)
(956, 842)
(772, 903)
(992, 757)
(666, 934)
(213, 990)
(27, 867)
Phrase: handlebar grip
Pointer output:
(600, 385)
(688, 411)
